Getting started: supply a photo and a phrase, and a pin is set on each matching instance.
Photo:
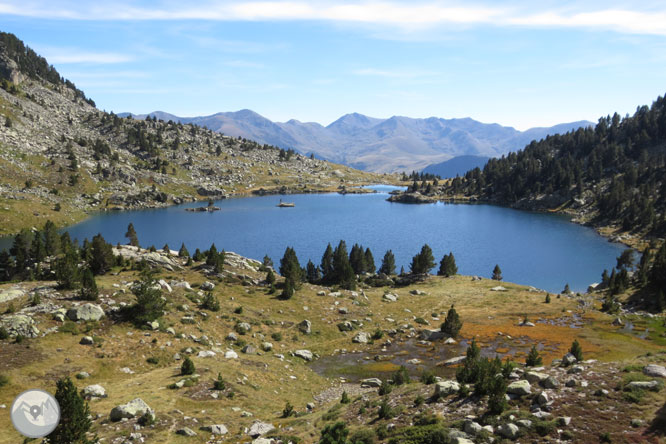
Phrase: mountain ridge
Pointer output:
(393, 144)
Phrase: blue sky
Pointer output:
(512, 62)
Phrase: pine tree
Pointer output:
(334, 434)
(576, 350)
(270, 277)
(88, 290)
(187, 368)
(21, 249)
(369, 261)
(74, 416)
(288, 290)
(312, 274)
(357, 259)
(327, 264)
(447, 266)
(149, 304)
(183, 251)
(166, 249)
(101, 253)
(37, 250)
(533, 358)
(67, 270)
(51, 239)
(452, 323)
(388, 264)
(497, 273)
(643, 272)
(422, 262)
(290, 268)
(131, 235)
(343, 274)
(198, 256)
(345, 398)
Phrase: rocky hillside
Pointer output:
(396, 144)
(60, 157)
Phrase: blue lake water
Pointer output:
(543, 250)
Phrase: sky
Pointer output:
(517, 63)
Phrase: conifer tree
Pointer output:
(357, 259)
(187, 368)
(312, 274)
(51, 239)
(198, 256)
(327, 264)
(270, 277)
(290, 268)
(183, 251)
(423, 261)
(533, 359)
(166, 249)
(343, 274)
(369, 261)
(101, 255)
(67, 270)
(388, 264)
(288, 290)
(452, 323)
(497, 273)
(149, 304)
(88, 290)
(447, 266)
(131, 235)
(576, 350)
(37, 250)
(74, 416)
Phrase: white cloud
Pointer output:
(393, 73)
(391, 13)
(63, 56)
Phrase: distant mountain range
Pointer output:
(380, 145)
(456, 166)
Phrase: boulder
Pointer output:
(542, 399)
(304, 354)
(654, 370)
(249, 349)
(472, 428)
(230, 354)
(305, 327)
(263, 441)
(498, 288)
(85, 312)
(243, 327)
(446, 388)
(20, 324)
(10, 294)
(568, 360)
(163, 284)
(232, 337)
(390, 297)
(525, 423)
(206, 354)
(86, 340)
(643, 385)
(181, 284)
(461, 440)
(343, 310)
(551, 383)
(154, 325)
(94, 391)
(207, 286)
(361, 338)
(266, 346)
(520, 388)
(431, 335)
(259, 428)
(508, 431)
(371, 382)
(186, 431)
(216, 429)
(535, 377)
(454, 361)
(345, 326)
(135, 408)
